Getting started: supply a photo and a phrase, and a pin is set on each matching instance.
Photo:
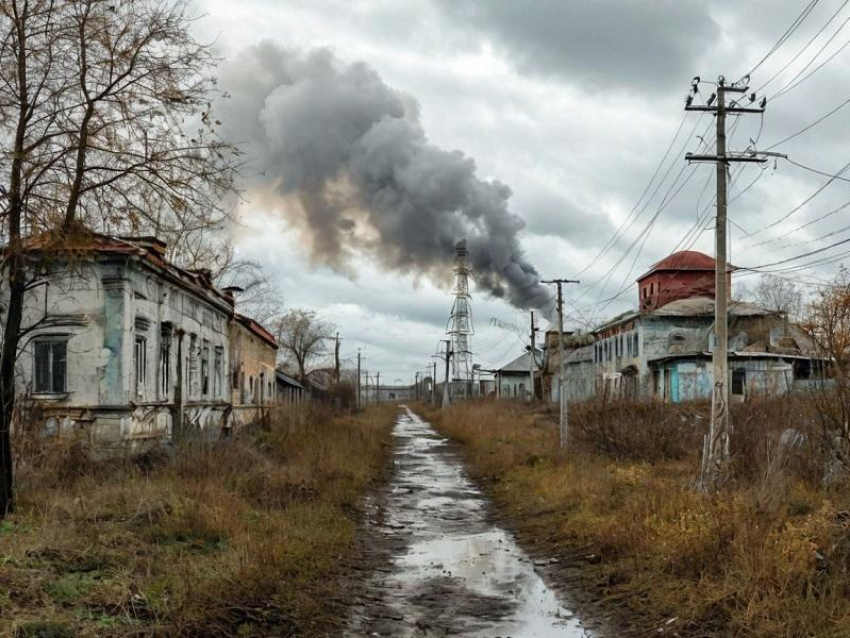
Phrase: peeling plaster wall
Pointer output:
(102, 307)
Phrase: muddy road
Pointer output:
(439, 565)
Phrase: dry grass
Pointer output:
(769, 557)
(235, 538)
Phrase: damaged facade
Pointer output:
(663, 350)
(125, 347)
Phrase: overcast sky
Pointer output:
(533, 127)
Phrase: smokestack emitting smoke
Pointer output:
(345, 157)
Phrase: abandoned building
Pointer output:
(253, 356)
(513, 380)
(663, 350)
(127, 348)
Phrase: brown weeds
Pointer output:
(768, 557)
(233, 538)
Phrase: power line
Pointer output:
(814, 170)
(784, 37)
(803, 50)
(834, 211)
(622, 228)
(817, 192)
(789, 84)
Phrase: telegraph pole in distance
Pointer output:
(358, 379)
(562, 400)
(377, 387)
(336, 358)
(434, 385)
(532, 363)
(416, 387)
(446, 400)
(715, 459)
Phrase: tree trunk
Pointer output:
(11, 332)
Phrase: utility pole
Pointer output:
(358, 379)
(532, 364)
(377, 387)
(562, 400)
(715, 458)
(434, 385)
(416, 387)
(336, 358)
(449, 353)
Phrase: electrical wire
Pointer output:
(791, 82)
(817, 192)
(795, 57)
(623, 228)
(784, 37)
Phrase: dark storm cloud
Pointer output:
(599, 43)
(351, 152)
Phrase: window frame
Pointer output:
(140, 364)
(52, 341)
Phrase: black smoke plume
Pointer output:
(345, 157)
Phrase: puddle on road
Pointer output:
(453, 572)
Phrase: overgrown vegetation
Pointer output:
(767, 557)
(242, 537)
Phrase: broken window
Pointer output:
(218, 367)
(51, 364)
(739, 380)
(205, 368)
(192, 365)
(140, 359)
(165, 359)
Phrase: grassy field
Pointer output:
(767, 557)
(243, 537)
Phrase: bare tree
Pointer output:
(302, 337)
(96, 98)
(779, 295)
(828, 324)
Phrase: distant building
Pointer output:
(663, 350)
(513, 380)
(289, 390)
(253, 381)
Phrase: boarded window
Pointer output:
(51, 364)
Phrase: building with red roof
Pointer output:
(682, 275)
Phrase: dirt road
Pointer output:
(441, 567)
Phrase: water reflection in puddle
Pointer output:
(455, 573)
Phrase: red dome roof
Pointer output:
(685, 260)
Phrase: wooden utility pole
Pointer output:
(336, 358)
(358, 379)
(446, 400)
(716, 452)
(377, 387)
(416, 387)
(434, 385)
(562, 400)
(532, 362)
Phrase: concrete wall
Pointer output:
(142, 349)
(252, 381)
(513, 385)
(692, 379)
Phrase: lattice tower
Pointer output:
(460, 322)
